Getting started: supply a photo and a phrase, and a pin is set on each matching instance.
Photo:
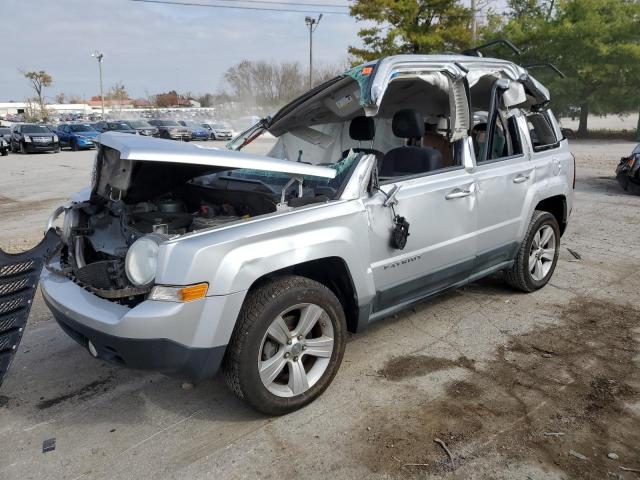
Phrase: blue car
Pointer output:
(77, 136)
(198, 132)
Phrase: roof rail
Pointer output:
(548, 65)
(475, 51)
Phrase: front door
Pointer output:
(441, 247)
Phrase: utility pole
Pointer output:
(312, 23)
(99, 56)
(474, 23)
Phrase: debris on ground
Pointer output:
(625, 469)
(446, 449)
(612, 456)
(575, 254)
(553, 434)
(187, 386)
(49, 445)
(577, 455)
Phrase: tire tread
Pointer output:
(249, 314)
(516, 275)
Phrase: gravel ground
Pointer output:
(509, 383)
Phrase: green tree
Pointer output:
(410, 26)
(39, 80)
(596, 43)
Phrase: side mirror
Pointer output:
(391, 199)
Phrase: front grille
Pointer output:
(14, 268)
(11, 304)
(19, 274)
(13, 286)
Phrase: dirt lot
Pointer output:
(510, 383)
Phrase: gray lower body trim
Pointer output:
(388, 302)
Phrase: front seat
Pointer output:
(363, 129)
(411, 159)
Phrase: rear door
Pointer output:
(503, 180)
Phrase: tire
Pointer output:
(74, 146)
(14, 149)
(522, 275)
(23, 149)
(253, 347)
(5, 152)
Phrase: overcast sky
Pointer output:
(152, 48)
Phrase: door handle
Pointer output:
(457, 193)
(520, 178)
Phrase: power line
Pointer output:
(238, 7)
(288, 3)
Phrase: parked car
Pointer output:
(171, 129)
(5, 133)
(31, 137)
(77, 136)
(198, 132)
(4, 147)
(114, 126)
(375, 196)
(218, 131)
(143, 128)
(628, 171)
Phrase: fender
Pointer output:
(232, 258)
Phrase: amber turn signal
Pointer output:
(193, 292)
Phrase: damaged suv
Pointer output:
(380, 190)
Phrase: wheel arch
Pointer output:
(557, 206)
(333, 273)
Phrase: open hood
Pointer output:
(134, 167)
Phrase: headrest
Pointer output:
(407, 124)
(362, 128)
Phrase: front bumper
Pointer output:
(85, 143)
(41, 147)
(184, 339)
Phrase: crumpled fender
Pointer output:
(19, 276)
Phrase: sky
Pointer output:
(153, 48)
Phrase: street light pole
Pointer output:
(99, 56)
(474, 23)
(312, 23)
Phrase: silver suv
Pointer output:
(386, 185)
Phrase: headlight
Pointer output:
(71, 220)
(27, 139)
(142, 260)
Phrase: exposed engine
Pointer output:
(170, 216)
(99, 234)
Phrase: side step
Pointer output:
(19, 276)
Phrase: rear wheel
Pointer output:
(538, 254)
(287, 345)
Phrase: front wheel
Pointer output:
(23, 148)
(287, 345)
(538, 254)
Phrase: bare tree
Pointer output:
(60, 97)
(39, 80)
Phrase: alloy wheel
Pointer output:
(542, 253)
(296, 350)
